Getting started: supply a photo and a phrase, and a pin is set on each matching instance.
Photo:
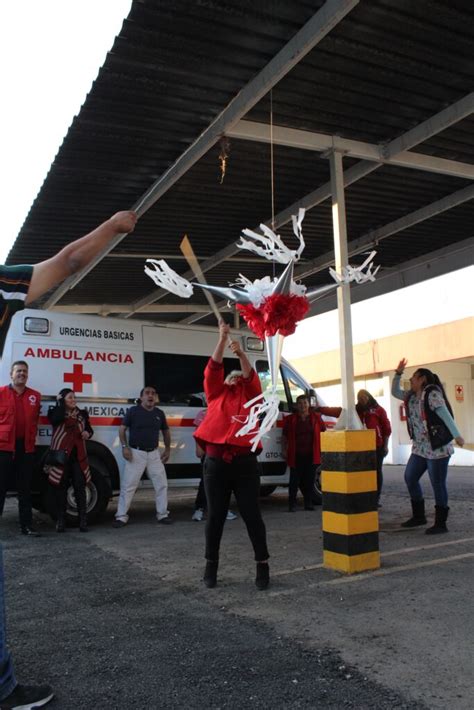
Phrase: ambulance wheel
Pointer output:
(266, 491)
(98, 494)
(317, 493)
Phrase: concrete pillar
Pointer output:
(349, 478)
(349, 487)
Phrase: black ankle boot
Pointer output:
(441, 515)
(418, 517)
(262, 580)
(210, 573)
(83, 522)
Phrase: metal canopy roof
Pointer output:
(388, 82)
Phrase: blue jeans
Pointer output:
(438, 473)
(7, 675)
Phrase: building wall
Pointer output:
(447, 338)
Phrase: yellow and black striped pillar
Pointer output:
(349, 487)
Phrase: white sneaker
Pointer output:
(198, 515)
(231, 515)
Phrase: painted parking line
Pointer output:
(393, 570)
(369, 575)
(390, 553)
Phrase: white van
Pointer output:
(107, 361)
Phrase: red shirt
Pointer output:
(304, 436)
(226, 413)
(20, 418)
(290, 425)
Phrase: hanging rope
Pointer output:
(272, 169)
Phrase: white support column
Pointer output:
(349, 418)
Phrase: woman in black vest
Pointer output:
(71, 430)
(432, 428)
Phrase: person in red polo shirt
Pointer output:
(19, 413)
(302, 450)
(230, 465)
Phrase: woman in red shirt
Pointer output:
(302, 450)
(230, 465)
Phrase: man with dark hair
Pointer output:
(301, 442)
(19, 412)
(20, 286)
(144, 423)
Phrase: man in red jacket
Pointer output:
(19, 413)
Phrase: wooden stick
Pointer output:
(190, 257)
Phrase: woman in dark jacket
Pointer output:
(71, 429)
(432, 428)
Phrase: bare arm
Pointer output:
(78, 254)
(218, 354)
(244, 361)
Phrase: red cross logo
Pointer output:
(77, 378)
(459, 389)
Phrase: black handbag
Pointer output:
(56, 457)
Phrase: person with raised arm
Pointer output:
(230, 465)
(20, 286)
(432, 429)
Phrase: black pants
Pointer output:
(72, 474)
(241, 478)
(380, 455)
(201, 503)
(302, 477)
(20, 466)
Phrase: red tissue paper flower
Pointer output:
(278, 313)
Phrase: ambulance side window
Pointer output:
(263, 372)
(294, 385)
(179, 378)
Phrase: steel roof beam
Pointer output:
(427, 266)
(371, 239)
(432, 126)
(320, 24)
(424, 130)
(106, 308)
(323, 142)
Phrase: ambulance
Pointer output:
(107, 361)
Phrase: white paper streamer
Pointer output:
(260, 289)
(168, 279)
(273, 247)
(356, 273)
(263, 414)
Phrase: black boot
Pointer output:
(262, 580)
(418, 517)
(210, 573)
(61, 504)
(83, 522)
(441, 515)
(81, 502)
